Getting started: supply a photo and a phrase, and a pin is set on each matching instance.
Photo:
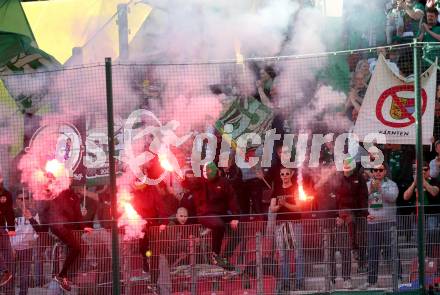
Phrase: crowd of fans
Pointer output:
(367, 203)
(363, 207)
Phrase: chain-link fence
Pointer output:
(169, 121)
(311, 256)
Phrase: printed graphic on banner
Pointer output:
(389, 106)
(245, 116)
(69, 147)
(402, 108)
(96, 156)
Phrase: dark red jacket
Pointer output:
(154, 204)
(215, 197)
(64, 210)
(6, 210)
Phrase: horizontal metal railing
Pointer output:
(264, 257)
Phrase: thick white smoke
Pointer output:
(200, 31)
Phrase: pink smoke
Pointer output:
(41, 172)
(129, 219)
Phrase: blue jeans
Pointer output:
(285, 253)
(24, 261)
(379, 238)
(432, 234)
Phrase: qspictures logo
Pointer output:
(145, 138)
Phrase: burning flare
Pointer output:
(302, 195)
(165, 163)
(41, 173)
(129, 219)
(47, 183)
(55, 167)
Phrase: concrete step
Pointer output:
(384, 282)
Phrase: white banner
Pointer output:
(389, 106)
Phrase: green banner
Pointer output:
(245, 115)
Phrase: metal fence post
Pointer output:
(395, 258)
(326, 247)
(123, 31)
(419, 157)
(193, 265)
(259, 262)
(112, 176)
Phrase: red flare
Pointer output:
(55, 167)
(302, 195)
(165, 163)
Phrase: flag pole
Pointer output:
(419, 166)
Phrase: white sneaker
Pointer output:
(347, 284)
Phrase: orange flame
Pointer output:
(129, 218)
(302, 195)
(165, 163)
(124, 198)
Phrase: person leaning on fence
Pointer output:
(7, 229)
(431, 190)
(235, 177)
(351, 194)
(62, 215)
(337, 240)
(382, 195)
(288, 235)
(214, 199)
(178, 252)
(155, 204)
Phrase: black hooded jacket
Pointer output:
(6, 210)
(64, 210)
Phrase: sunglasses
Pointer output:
(285, 174)
(425, 168)
(379, 170)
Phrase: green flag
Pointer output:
(246, 115)
(17, 55)
(11, 121)
(13, 19)
(18, 49)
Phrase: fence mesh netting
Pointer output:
(54, 162)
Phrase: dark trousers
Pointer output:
(23, 260)
(361, 231)
(150, 242)
(217, 225)
(338, 240)
(5, 251)
(350, 221)
(73, 244)
(379, 238)
(251, 196)
(6, 261)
